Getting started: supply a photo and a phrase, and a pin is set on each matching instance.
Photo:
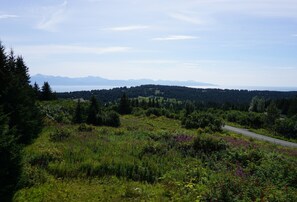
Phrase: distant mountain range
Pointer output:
(99, 81)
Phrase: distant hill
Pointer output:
(218, 96)
(98, 81)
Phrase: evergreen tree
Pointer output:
(3, 72)
(257, 104)
(94, 116)
(189, 108)
(78, 113)
(36, 90)
(272, 114)
(125, 107)
(46, 92)
(21, 71)
(112, 119)
(20, 120)
(292, 109)
(10, 159)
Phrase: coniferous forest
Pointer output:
(146, 143)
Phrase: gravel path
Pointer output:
(260, 137)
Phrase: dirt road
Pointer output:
(245, 132)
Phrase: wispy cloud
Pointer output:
(94, 1)
(186, 18)
(128, 28)
(70, 49)
(294, 35)
(175, 37)
(50, 22)
(5, 16)
(153, 61)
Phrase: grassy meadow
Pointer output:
(153, 159)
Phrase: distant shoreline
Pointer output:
(72, 88)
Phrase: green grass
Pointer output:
(154, 159)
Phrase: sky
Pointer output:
(223, 42)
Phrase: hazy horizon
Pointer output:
(81, 84)
(223, 42)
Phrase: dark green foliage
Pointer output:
(46, 92)
(292, 109)
(85, 128)
(272, 114)
(112, 118)
(154, 111)
(203, 120)
(94, 117)
(9, 161)
(287, 106)
(287, 127)
(17, 98)
(257, 104)
(239, 99)
(209, 144)
(190, 107)
(124, 106)
(161, 112)
(20, 120)
(78, 113)
(59, 135)
(246, 119)
(36, 90)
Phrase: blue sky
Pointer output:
(224, 42)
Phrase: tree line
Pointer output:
(223, 98)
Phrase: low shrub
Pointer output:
(112, 119)
(153, 149)
(85, 128)
(209, 144)
(287, 127)
(202, 120)
(59, 135)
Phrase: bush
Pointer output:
(208, 144)
(287, 128)
(154, 111)
(250, 119)
(112, 119)
(59, 135)
(202, 120)
(85, 128)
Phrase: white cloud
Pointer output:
(175, 37)
(153, 62)
(45, 50)
(186, 18)
(127, 28)
(51, 21)
(294, 35)
(264, 8)
(5, 16)
(94, 1)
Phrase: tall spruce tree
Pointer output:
(20, 120)
(36, 90)
(10, 158)
(78, 113)
(94, 115)
(46, 92)
(272, 114)
(124, 106)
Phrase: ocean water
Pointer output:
(65, 88)
(68, 88)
